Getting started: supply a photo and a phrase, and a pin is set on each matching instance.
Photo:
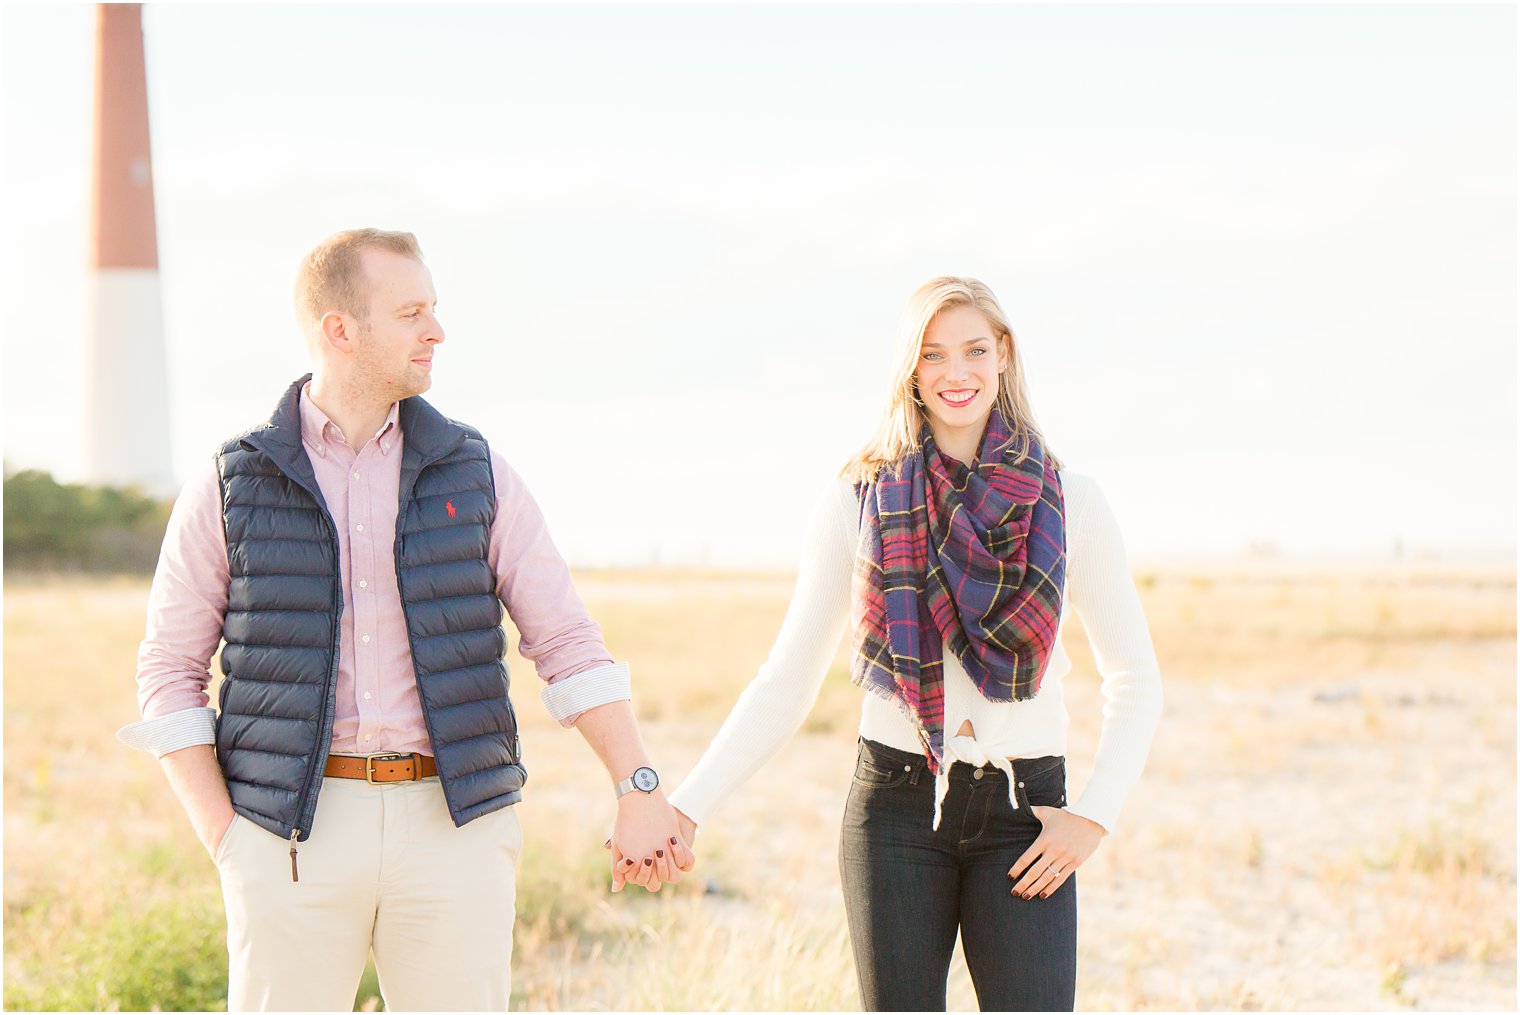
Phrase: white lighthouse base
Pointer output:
(127, 383)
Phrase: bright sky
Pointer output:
(1261, 260)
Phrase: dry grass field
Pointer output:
(1327, 820)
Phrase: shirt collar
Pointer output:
(318, 431)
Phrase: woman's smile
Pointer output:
(958, 397)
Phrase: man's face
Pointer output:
(393, 350)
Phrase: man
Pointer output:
(355, 788)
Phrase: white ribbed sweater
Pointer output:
(1098, 587)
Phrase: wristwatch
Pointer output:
(643, 779)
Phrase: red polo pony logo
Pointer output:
(450, 508)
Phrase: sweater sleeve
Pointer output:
(784, 690)
(1103, 593)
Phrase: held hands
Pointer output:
(649, 844)
(1064, 844)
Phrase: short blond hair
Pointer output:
(898, 432)
(331, 277)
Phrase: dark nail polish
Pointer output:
(1044, 895)
(672, 840)
(627, 863)
(660, 853)
(1026, 895)
(650, 863)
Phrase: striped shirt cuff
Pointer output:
(566, 699)
(172, 732)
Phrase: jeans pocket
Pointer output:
(868, 774)
(879, 772)
(1042, 785)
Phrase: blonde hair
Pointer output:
(898, 433)
(331, 277)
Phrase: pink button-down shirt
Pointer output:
(377, 709)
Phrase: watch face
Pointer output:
(645, 779)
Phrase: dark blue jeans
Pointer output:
(908, 888)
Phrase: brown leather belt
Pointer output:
(382, 767)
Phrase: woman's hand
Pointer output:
(688, 829)
(1065, 843)
(643, 832)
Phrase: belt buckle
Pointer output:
(370, 759)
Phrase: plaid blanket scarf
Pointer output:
(971, 557)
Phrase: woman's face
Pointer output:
(959, 362)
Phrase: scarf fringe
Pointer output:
(935, 764)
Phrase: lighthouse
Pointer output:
(126, 379)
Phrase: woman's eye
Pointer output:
(977, 352)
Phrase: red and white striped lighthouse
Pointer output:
(126, 386)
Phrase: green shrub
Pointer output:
(171, 957)
(75, 527)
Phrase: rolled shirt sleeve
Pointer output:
(186, 606)
(172, 732)
(533, 583)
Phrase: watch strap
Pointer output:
(629, 785)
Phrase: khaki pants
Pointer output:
(384, 869)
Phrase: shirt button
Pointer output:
(1021, 785)
(365, 639)
(363, 584)
(358, 528)
(385, 445)
(368, 738)
(356, 475)
(977, 774)
(366, 696)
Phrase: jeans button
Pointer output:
(977, 774)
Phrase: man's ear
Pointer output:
(337, 331)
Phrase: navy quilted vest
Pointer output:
(280, 663)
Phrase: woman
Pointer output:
(953, 545)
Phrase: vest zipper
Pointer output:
(332, 678)
(314, 490)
